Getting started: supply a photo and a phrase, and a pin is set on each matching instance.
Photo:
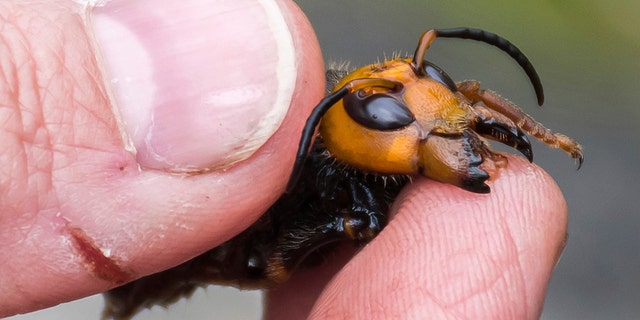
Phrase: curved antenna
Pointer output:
(486, 37)
(318, 112)
(309, 129)
(423, 45)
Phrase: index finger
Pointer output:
(448, 252)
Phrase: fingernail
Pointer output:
(199, 85)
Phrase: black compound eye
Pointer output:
(439, 75)
(378, 111)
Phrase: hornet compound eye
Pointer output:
(435, 73)
(378, 111)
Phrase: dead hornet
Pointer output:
(379, 125)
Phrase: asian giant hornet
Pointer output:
(377, 126)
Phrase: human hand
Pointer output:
(486, 262)
(80, 211)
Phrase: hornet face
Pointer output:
(406, 116)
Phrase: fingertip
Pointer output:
(451, 252)
(511, 237)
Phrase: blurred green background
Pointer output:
(587, 53)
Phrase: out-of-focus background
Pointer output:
(588, 55)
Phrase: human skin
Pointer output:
(98, 188)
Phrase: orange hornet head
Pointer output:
(406, 116)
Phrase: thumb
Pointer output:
(140, 134)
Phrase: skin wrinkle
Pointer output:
(20, 137)
(509, 231)
(487, 263)
(412, 205)
(441, 304)
(446, 307)
(511, 268)
(30, 99)
(410, 240)
(533, 235)
(472, 290)
(33, 136)
(499, 279)
(517, 262)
